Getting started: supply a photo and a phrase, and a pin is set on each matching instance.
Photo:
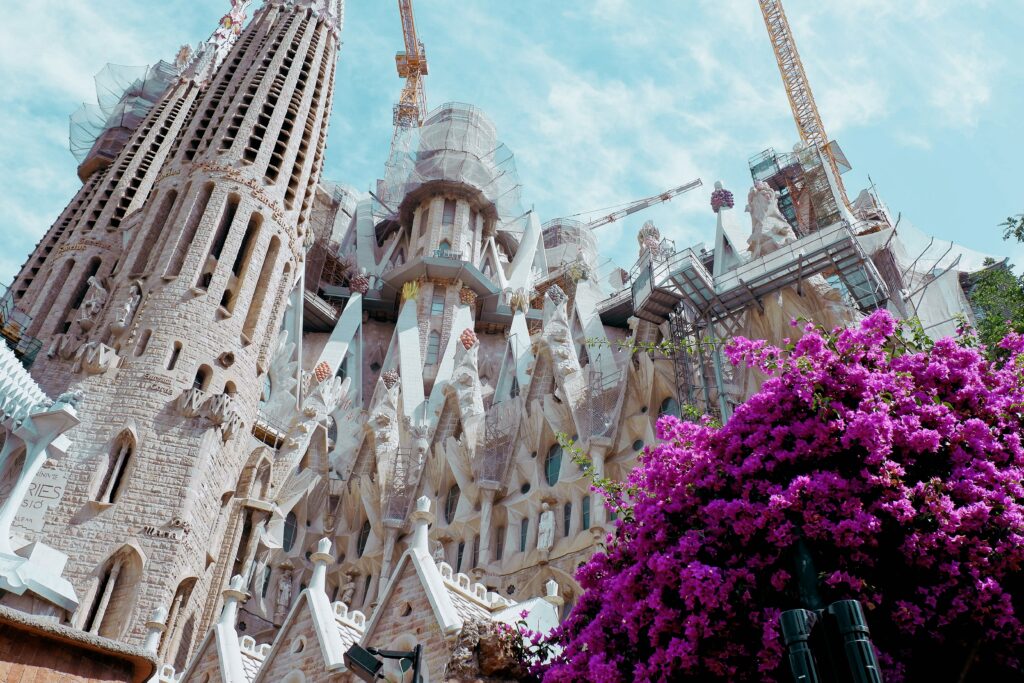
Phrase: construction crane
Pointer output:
(641, 204)
(798, 88)
(412, 66)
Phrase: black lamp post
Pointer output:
(364, 664)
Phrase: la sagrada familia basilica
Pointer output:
(251, 418)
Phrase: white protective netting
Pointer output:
(457, 143)
(928, 271)
(124, 95)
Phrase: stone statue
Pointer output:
(125, 316)
(95, 300)
(348, 588)
(284, 594)
(69, 399)
(770, 229)
(438, 552)
(546, 528)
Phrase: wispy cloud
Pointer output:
(602, 102)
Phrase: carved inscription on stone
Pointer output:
(44, 493)
(158, 383)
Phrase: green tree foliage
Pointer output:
(997, 296)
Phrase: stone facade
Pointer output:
(235, 417)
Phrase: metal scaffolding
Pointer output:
(400, 487)
(501, 425)
(676, 286)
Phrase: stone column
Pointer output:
(486, 508)
(105, 599)
(599, 447)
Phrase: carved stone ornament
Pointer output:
(95, 358)
(390, 378)
(95, 300)
(322, 371)
(519, 301)
(556, 295)
(359, 283)
(221, 408)
(226, 359)
(467, 296)
(468, 338)
(410, 291)
(721, 198)
(190, 403)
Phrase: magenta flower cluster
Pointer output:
(721, 198)
(898, 468)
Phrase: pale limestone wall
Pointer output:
(300, 651)
(420, 624)
(169, 504)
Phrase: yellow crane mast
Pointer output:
(412, 66)
(798, 88)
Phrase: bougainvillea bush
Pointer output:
(895, 469)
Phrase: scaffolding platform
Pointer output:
(682, 279)
(14, 325)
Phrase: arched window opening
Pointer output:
(263, 479)
(188, 234)
(267, 573)
(366, 588)
(437, 301)
(116, 464)
(553, 465)
(433, 347)
(267, 389)
(229, 388)
(425, 221)
(140, 347)
(459, 555)
(243, 542)
(451, 503)
(172, 360)
(248, 241)
(499, 543)
(155, 228)
(259, 297)
(224, 227)
(63, 323)
(444, 249)
(669, 406)
(448, 217)
(585, 512)
(58, 280)
(474, 559)
(202, 379)
(114, 598)
(364, 537)
(524, 530)
(243, 261)
(173, 640)
(332, 431)
(566, 519)
(291, 528)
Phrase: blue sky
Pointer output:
(602, 101)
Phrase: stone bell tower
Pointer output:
(159, 293)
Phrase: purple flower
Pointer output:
(901, 470)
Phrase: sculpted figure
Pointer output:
(95, 300)
(770, 229)
(546, 529)
(284, 593)
(125, 316)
